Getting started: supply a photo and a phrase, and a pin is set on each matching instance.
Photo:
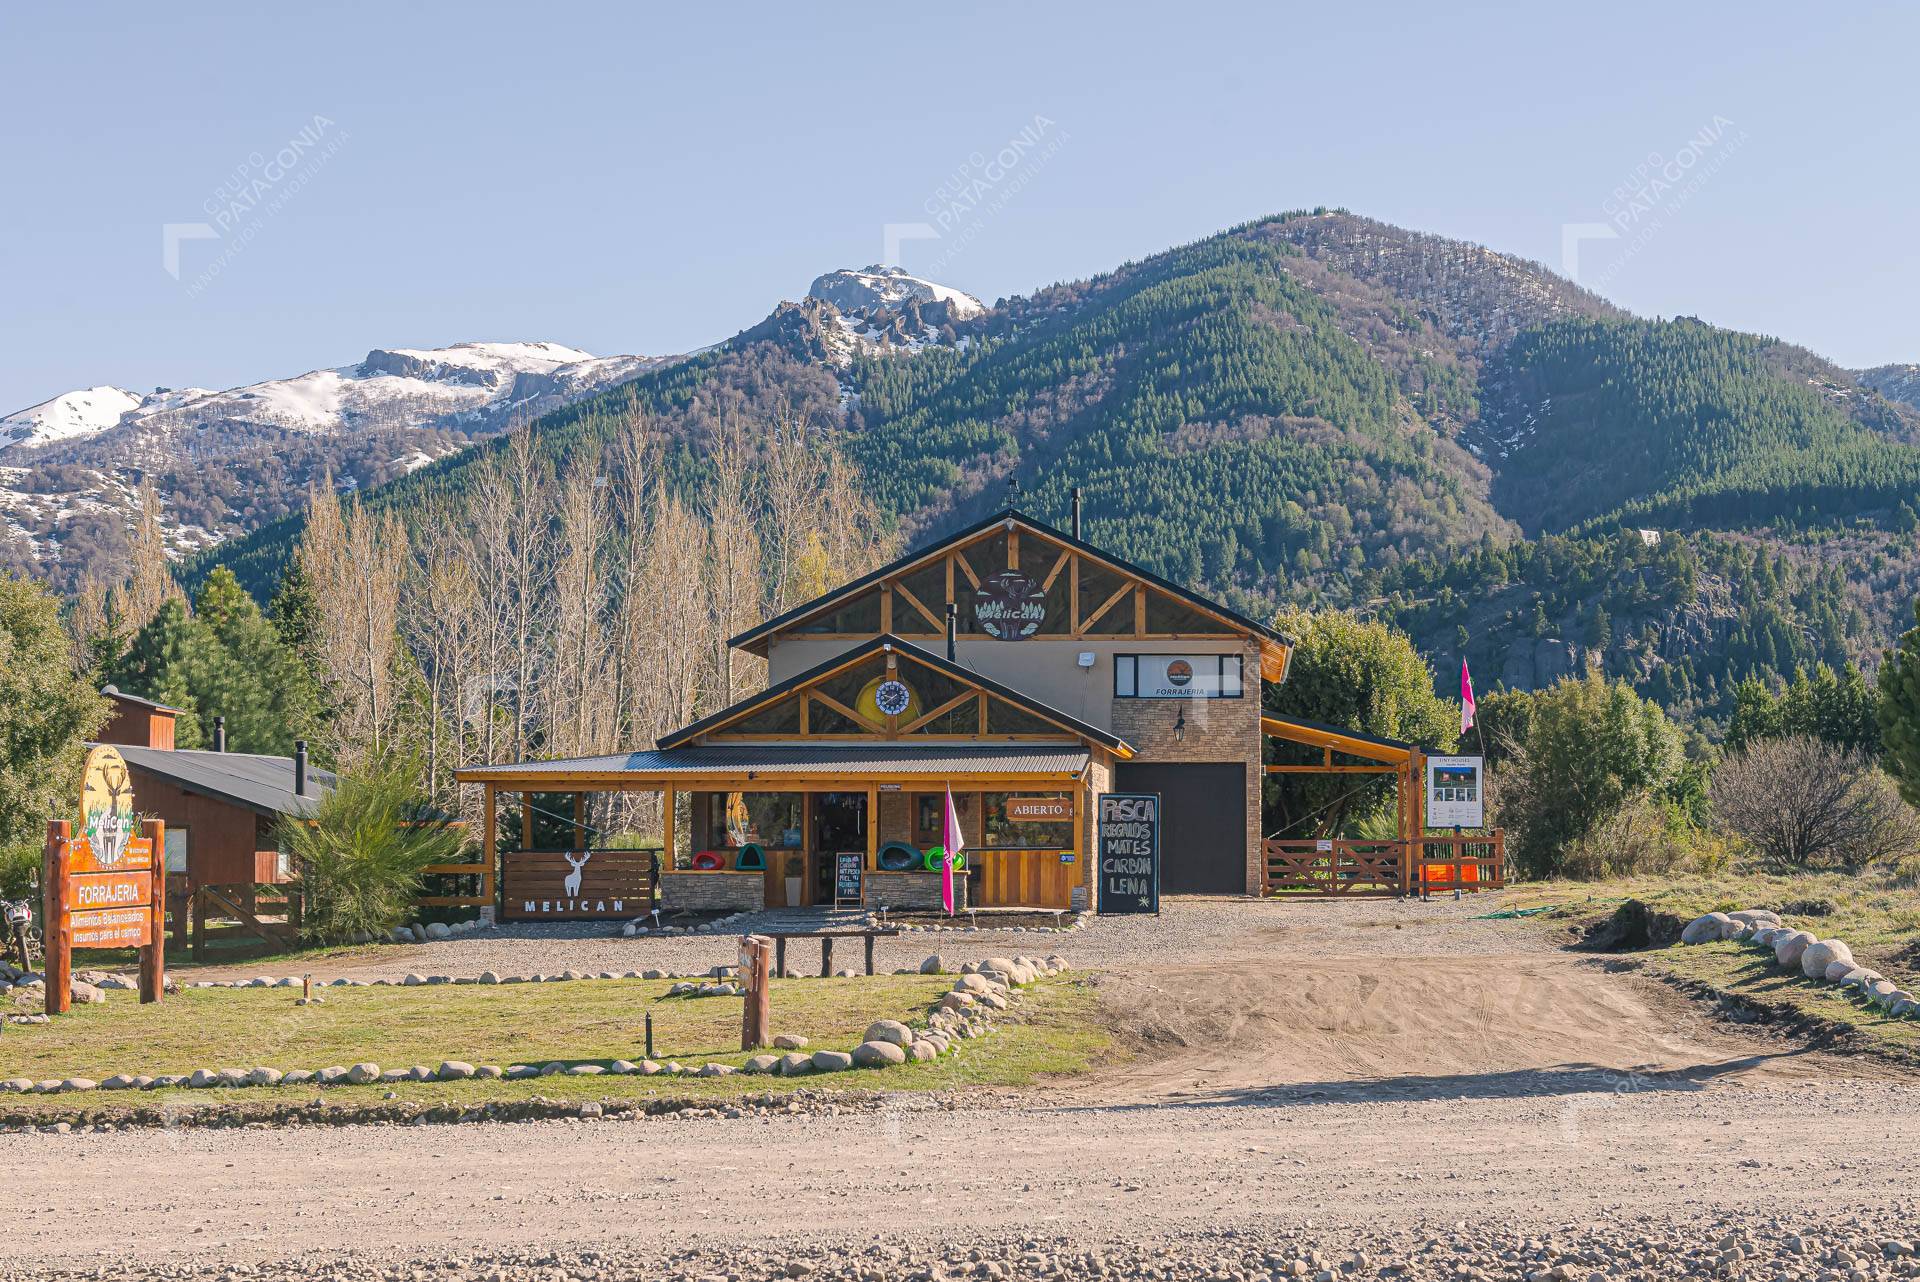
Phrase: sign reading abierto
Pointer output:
(103, 888)
(1031, 810)
(1127, 841)
(1456, 796)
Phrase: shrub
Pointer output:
(19, 869)
(360, 856)
(1804, 803)
(1594, 752)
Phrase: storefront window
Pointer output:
(1028, 820)
(766, 819)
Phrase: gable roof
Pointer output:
(263, 785)
(756, 636)
(884, 642)
(121, 696)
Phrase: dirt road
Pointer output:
(1278, 1105)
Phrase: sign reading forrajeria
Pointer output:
(101, 883)
(1010, 605)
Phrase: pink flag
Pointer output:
(1466, 698)
(950, 840)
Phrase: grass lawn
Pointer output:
(1878, 917)
(1054, 1029)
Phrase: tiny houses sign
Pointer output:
(103, 888)
(1454, 793)
(1127, 841)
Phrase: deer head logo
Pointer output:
(572, 882)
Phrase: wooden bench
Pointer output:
(826, 938)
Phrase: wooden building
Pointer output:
(220, 807)
(1011, 662)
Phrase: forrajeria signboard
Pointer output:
(1456, 792)
(103, 887)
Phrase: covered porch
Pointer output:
(1413, 861)
(751, 826)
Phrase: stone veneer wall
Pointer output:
(1218, 730)
(912, 890)
(712, 891)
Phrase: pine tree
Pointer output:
(1900, 712)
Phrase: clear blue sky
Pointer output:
(627, 178)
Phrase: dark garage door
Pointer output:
(1203, 826)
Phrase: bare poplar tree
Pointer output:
(736, 592)
(354, 559)
(529, 540)
(440, 619)
(150, 572)
(579, 716)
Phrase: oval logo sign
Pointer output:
(1010, 606)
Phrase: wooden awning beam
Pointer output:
(1352, 746)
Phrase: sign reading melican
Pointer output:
(1128, 843)
(1010, 605)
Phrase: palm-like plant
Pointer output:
(360, 856)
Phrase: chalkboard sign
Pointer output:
(1128, 843)
(848, 867)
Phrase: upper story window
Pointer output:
(1178, 676)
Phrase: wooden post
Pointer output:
(54, 924)
(489, 842)
(197, 902)
(873, 835)
(826, 956)
(579, 821)
(667, 841)
(756, 960)
(153, 957)
(869, 956)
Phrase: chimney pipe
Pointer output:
(299, 767)
(1076, 511)
(953, 630)
(219, 734)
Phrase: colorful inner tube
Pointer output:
(898, 856)
(936, 855)
(709, 861)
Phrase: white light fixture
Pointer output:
(1086, 659)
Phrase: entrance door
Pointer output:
(1203, 822)
(839, 823)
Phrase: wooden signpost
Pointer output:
(756, 968)
(104, 885)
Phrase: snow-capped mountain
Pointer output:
(226, 462)
(468, 384)
(882, 308)
(67, 417)
(877, 287)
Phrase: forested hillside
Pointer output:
(1322, 409)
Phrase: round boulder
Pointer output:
(794, 1064)
(1814, 962)
(1789, 949)
(832, 1061)
(878, 1054)
(1839, 972)
(934, 965)
(1705, 929)
(889, 1030)
(1757, 916)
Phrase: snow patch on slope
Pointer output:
(891, 288)
(69, 416)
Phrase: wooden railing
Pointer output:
(480, 872)
(1332, 866)
(1346, 866)
(1463, 862)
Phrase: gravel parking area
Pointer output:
(1187, 929)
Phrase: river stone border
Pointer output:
(1827, 961)
(965, 1012)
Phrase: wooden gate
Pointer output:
(1335, 866)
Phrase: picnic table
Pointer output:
(826, 938)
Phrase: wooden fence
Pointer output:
(1341, 866)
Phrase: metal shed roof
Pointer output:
(263, 785)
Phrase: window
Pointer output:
(1012, 822)
(1177, 676)
(176, 850)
